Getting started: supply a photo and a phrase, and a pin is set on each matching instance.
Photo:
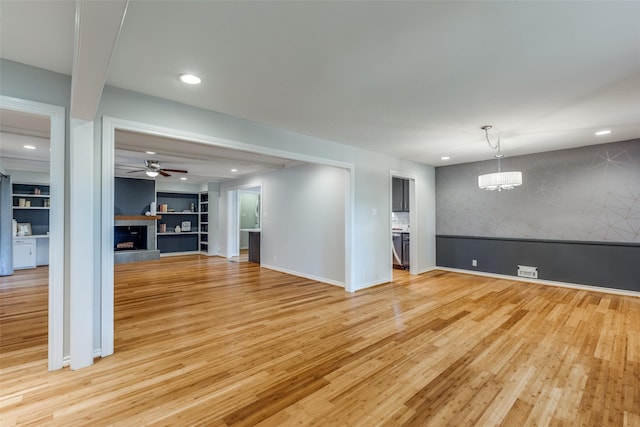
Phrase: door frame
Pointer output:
(109, 126)
(56, 308)
(413, 215)
(233, 217)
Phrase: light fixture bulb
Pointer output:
(445, 158)
(190, 79)
(234, 170)
(603, 132)
(152, 174)
(29, 147)
(150, 152)
(183, 178)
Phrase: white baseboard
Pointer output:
(579, 286)
(373, 283)
(306, 276)
(426, 270)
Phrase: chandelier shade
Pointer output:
(500, 181)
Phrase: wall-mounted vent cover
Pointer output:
(527, 271)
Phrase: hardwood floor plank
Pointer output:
(205, 341)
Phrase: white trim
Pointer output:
(107, 221)
(426, 270)
(109, 125)
(578, 286)
(413, 216)
(219, 142)
(374, 283)
(57, 118)
(303, 275)
(349, 220)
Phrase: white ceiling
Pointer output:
(413, 79)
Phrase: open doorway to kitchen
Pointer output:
(403, 250)
(32, 231)
(244, 227)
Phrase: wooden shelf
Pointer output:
(179, 213)
(137, 217)
(31, 195)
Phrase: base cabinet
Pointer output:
(24, 253)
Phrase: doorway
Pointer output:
(403, 225)
(244, 204)
(43, 178)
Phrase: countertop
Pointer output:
(34, 236)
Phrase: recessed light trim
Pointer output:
(445, 158)
(183, 178)
(150, 152)
(29, 147)
(234, 170)
(603, 132)
(190, 79)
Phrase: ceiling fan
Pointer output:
(152, 168)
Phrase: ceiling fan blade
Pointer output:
(163, 173)
(137, 170)
(175, 170)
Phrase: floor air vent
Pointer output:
(527, 271)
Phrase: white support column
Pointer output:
(81, 244)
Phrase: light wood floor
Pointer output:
(204, 341)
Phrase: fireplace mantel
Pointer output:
(137, 217)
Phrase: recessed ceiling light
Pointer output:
(150, 152)
(29, 147)
(234, 170)
(183, 178)
(445, 158)
(603, 132)
(190, 79)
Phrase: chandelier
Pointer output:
(498, 180)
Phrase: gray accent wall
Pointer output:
(589, 193)
(576, 216)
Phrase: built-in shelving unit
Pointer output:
(203, 242)
(30, 205)
(181, 209)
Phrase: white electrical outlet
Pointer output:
(474, 263)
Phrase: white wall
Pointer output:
(303, 220)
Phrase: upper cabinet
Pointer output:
(400, 195)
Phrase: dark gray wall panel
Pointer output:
(132, 196)
(609, 265)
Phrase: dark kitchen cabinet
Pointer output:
(399, 195)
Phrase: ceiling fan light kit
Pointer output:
(498, 180)
(152, 168)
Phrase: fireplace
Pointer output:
(129, 238)
(134, 239)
